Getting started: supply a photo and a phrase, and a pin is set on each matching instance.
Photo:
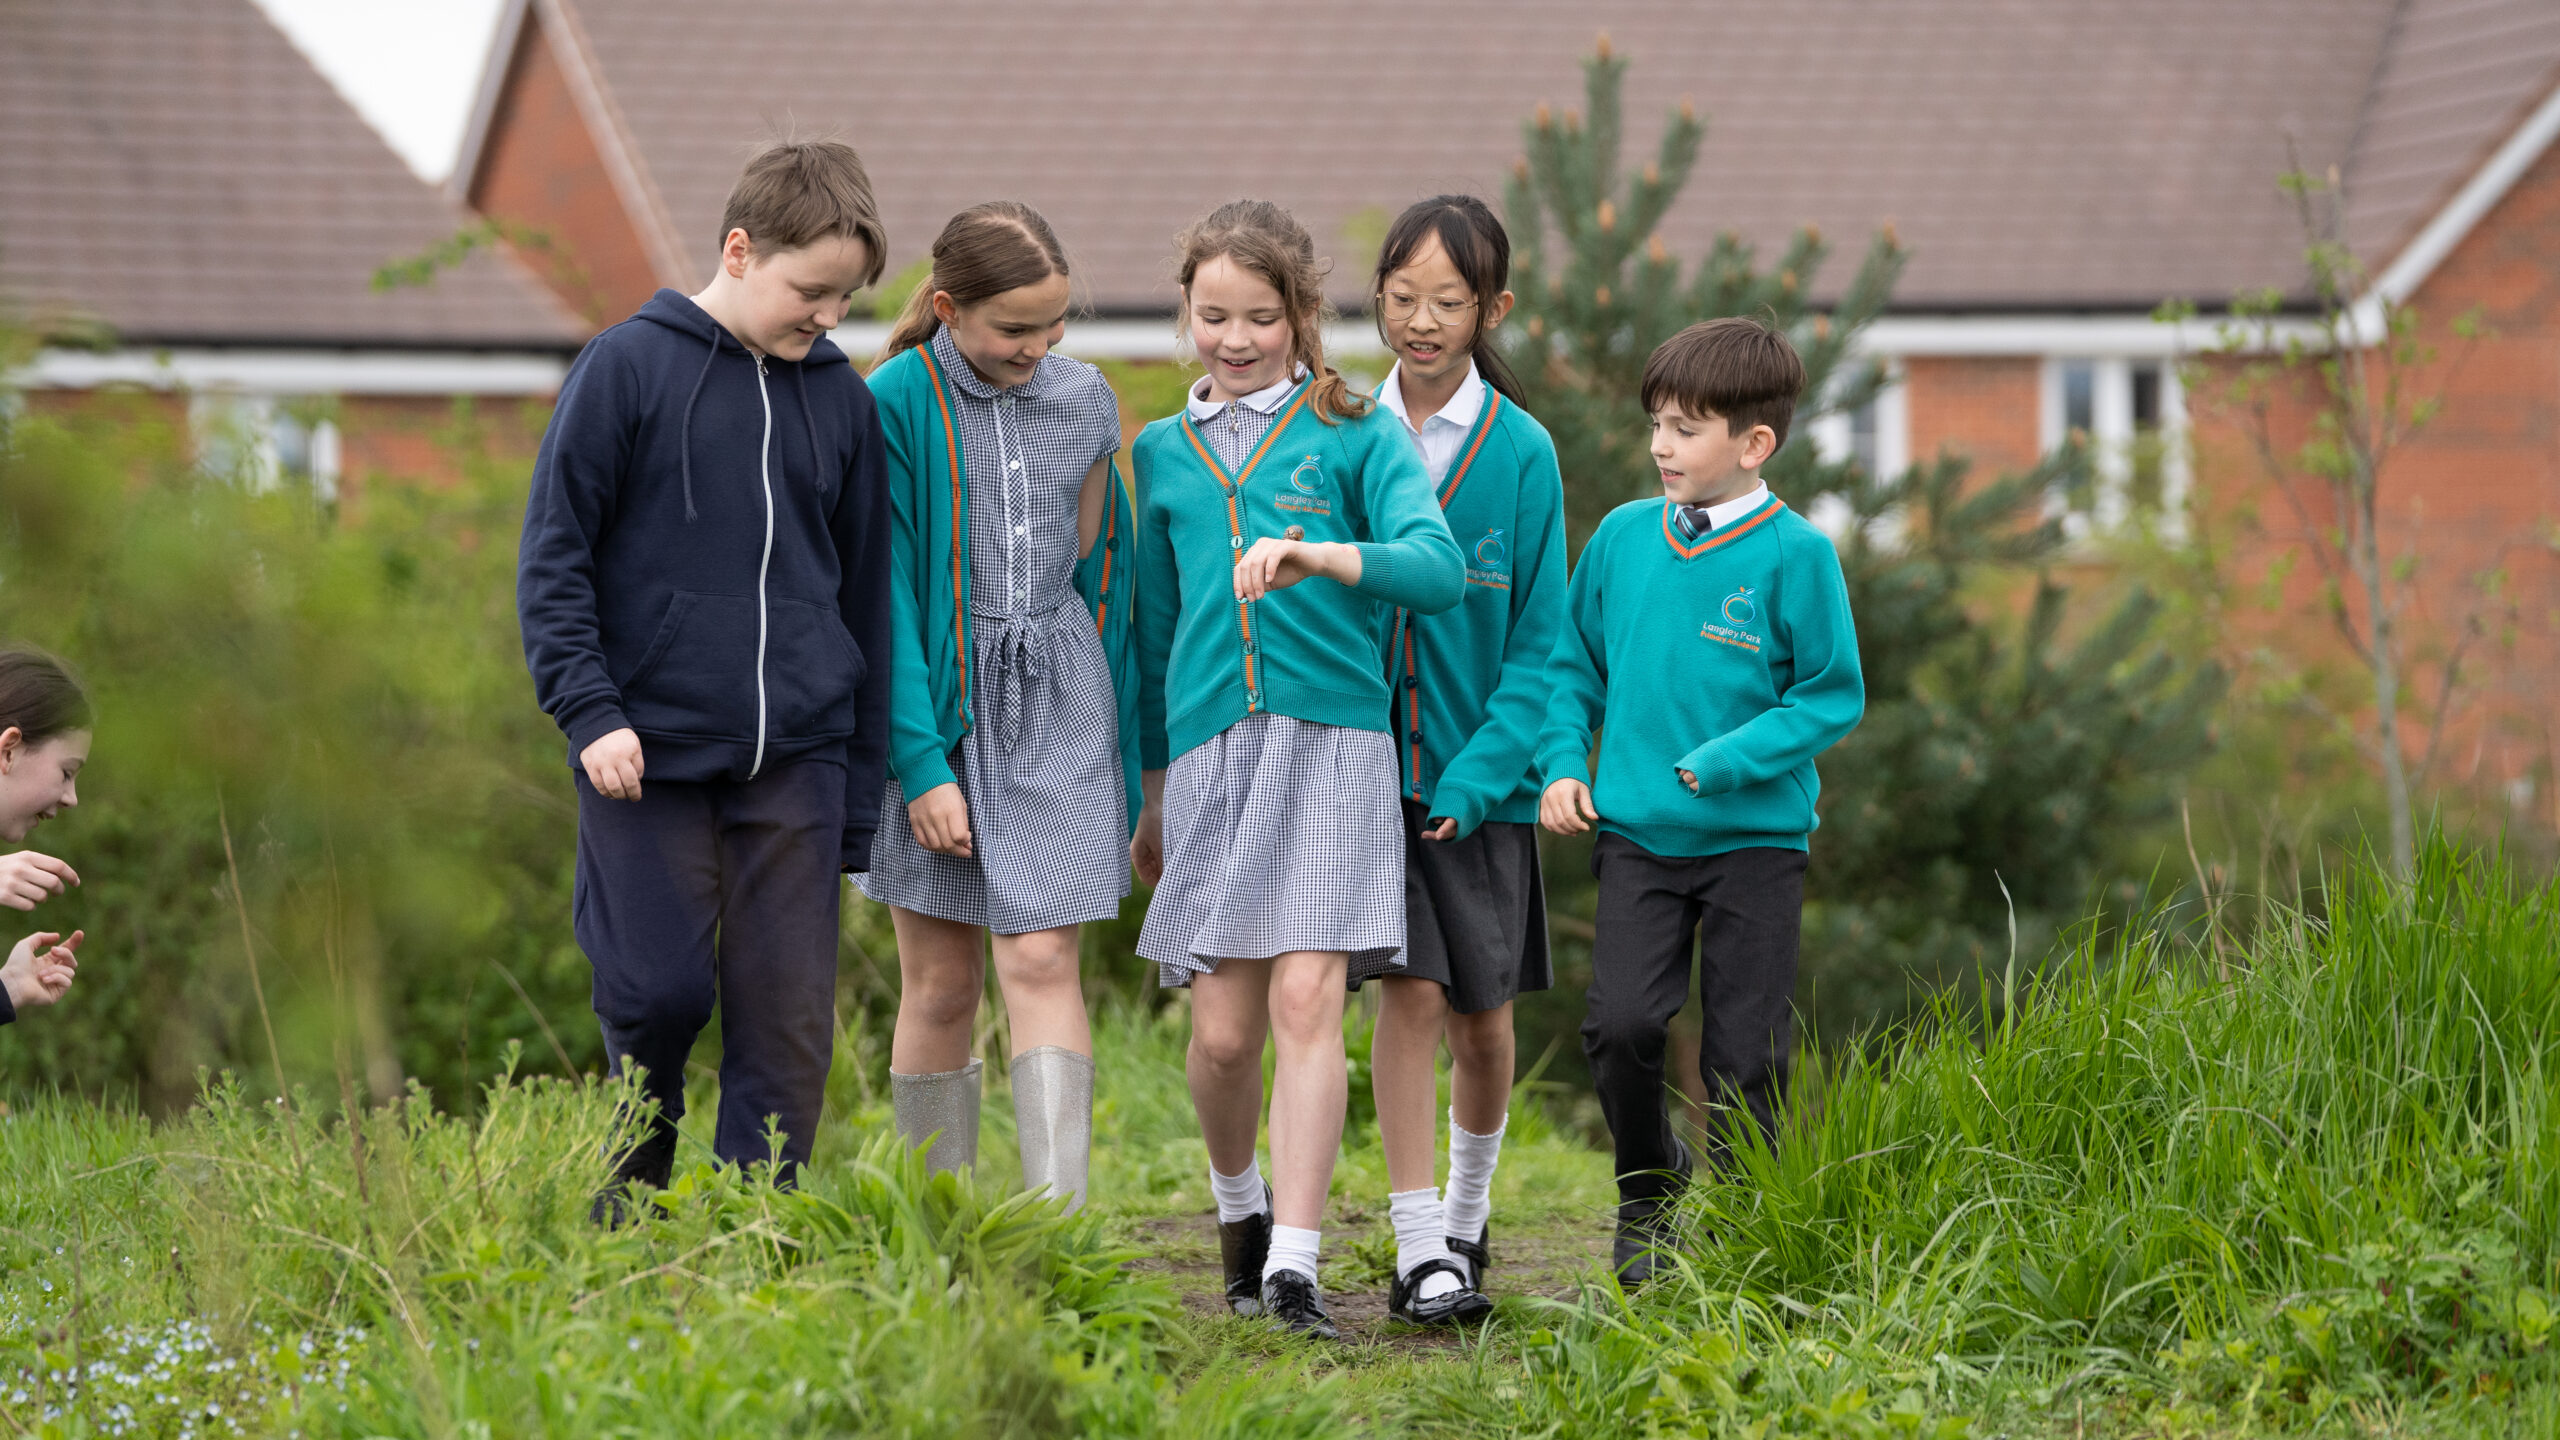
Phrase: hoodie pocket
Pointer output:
(812, 669)
(698, 676)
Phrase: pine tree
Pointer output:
(1997, 765)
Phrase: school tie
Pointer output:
(1693, 519)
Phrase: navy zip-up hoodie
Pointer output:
(706, 558)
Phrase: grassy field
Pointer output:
(2308, 1187)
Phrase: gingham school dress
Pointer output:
(1040, 764)
(1280, 834)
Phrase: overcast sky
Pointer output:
(408, 66)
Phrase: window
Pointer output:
(1875, 436)
(261, 441)
(2132, 414)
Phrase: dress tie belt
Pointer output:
(1013, 655)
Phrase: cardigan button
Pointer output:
(1415, 737)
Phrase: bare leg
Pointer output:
(1310, 1085)
(941, 973)
(1405, 1080)
(1481, 1057)
(1043, 997)
(1230, 1017)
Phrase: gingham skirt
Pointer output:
(1279, 834)
(1040, 769)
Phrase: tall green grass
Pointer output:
(2316, 1183)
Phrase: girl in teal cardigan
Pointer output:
(1277, 516)
(1470, 688)
(1013, 742)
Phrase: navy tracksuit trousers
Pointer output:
(722, 891)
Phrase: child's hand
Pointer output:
(1278, 564)
(39, 970)
(1146, 848)
(28, 879)
(613, 764)
(1439, 827)
(1689, 780)
(1566, 808)
(941, 820)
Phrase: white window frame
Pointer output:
(2111, 441)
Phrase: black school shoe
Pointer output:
(1476, 1255)
(1242, 1247)
(651, 1163)
(1292, 1299)
(1462, 1306)
(1642, 1237)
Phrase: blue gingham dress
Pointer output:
(1280, 834)
(1040, 764)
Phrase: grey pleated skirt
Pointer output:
(1279, 834)
(1040, 768)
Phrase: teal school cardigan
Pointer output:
(929, 582)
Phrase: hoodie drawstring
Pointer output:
(684, 426)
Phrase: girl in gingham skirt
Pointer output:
(1012, 754)
(1278, 513)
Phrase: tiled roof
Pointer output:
(2034, 155)
(2456, 78)
(176, 170)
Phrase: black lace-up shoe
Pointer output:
(1293, 1300)
(1476, 1255)
(1243, 1245)
(1461, 1306)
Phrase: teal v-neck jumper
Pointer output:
(1731, 656)
(1471, 682)
(929, 582)
(1312, 651)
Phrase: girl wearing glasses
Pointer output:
(1469, 696)
(1279, 515)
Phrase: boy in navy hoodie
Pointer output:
(704, 591)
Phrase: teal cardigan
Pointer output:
(1312, 651)
(929, 582)
(1471, 683)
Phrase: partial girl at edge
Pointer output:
(44, 745)
(1470, 694)
(1278, 512)
(1013, 746)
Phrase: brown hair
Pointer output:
(1480, 250)
(981, 253)
(1269, 242)
(38, 696)
(798, 192)
(1736, 368)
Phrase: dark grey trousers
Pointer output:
(1745, 910)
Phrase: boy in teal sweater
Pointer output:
(1713, 625)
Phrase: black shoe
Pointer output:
(1476, 1255)
(1462, 1306)
(1641, 1240)
(1242, 1247)
(652, 1163)
(1292, 1299)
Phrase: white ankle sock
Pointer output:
(1471, 1161)
(1238, 1196)
(1421, 1237)
(1292, 1249)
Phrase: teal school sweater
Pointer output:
(1471, 681)
(1312, 651)
(929, 582)
(1731, 656)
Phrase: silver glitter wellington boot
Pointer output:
(1053, 1114)
(943, 1106)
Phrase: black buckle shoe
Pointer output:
(1476, 1255)
(1462, 1306)
(1292, 1299)
(1242, 1247)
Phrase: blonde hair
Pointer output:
(1268, 242)
(981, 253)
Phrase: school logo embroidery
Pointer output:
(1492, 567)
(1305, 493)
(1732, 623)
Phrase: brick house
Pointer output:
(2056, 171)
(190, 212)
